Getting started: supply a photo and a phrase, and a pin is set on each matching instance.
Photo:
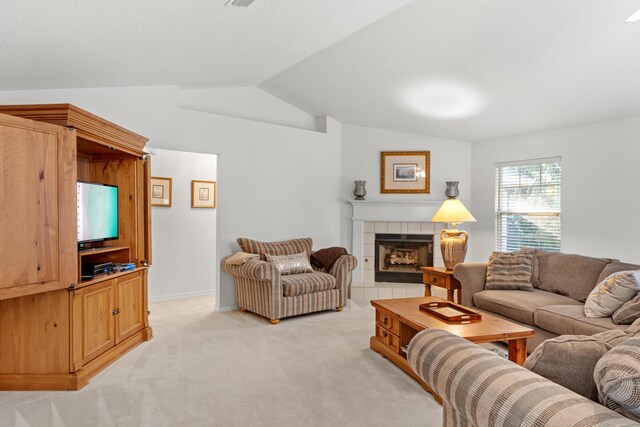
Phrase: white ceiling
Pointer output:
(494, 68)
(461, 69)
(96, 43)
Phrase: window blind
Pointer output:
(528, 205)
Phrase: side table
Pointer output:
(442, 278)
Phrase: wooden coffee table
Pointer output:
(399, 320)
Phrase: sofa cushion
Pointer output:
(569, 360)
(287, 247)
(307, 283)
(519, 305)
(610, 294)
(614, 267)
(617, 376)
(570, 320)
(291, 264)
(510, 271)
(570, 275)
(628, 313)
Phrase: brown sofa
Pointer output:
(562, 283)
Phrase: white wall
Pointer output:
(361, 147)
(250, 103)
(600, 182)
(184, 238)
(274, 182)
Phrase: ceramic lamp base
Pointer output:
(453, 244)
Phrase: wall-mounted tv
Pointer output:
(97, 212)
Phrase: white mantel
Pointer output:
(370, 216)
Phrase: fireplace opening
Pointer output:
(400, 256)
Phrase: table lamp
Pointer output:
(453, 242)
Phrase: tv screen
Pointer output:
(97, 212)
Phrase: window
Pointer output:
(528, 204)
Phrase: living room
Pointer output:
(292, 102)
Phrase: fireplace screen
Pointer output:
(400, 256)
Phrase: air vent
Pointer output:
(239, 3)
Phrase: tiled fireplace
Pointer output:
(398, 257)
(396, 218)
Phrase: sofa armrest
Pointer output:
(471, 276)
(480, 388)
(341, 270)
(252, 269)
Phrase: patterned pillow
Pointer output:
(628, 313)
(617, 377)
(240, 258)
(610, 294)
(510, 271)
(291, 264)
(569, 360)
(288, 247)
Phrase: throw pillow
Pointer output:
(240, 258)
(569, 360)
(291, 264)
(287, 247)
(510, 271)
(610, 294)
(617, 376)
(628, 313)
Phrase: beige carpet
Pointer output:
(236, 369)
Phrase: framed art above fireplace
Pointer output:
(405, 171)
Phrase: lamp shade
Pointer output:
(453, 211)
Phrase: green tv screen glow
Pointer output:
(97, 212)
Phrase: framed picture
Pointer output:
(160, 191)
(405, 171)
(203, 194)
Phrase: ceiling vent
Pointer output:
(239, 3)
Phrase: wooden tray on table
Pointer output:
(450, 312)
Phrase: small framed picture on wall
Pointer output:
(405, 171)
(203, 194)
(160, 191)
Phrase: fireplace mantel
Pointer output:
(394, 211)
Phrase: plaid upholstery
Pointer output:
(260, 286)
(480, 388)
(288, 247)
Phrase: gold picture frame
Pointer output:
(203, 194)
(405, 172)
(161, 191)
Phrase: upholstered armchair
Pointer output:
(263, 290)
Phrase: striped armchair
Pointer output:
(480, 388)
(261, 288)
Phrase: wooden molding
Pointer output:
(88, 126)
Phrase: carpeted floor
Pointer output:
(236, 369)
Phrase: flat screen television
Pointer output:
(97, 212)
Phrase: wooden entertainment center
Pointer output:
(56, 330)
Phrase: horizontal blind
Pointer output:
(528, 205)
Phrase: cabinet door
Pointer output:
(38, 245)
(130, 306)
(93, 321)
(144, 190)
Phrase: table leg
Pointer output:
(427, 290)
(450, 295)
(518, 350)
(459, 296)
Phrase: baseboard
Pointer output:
(183, 295)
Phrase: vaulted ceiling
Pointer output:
(461, 69)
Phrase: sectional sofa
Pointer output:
(555, 307)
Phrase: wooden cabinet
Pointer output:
(106, 314)
(56, 331)
(37, 199)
